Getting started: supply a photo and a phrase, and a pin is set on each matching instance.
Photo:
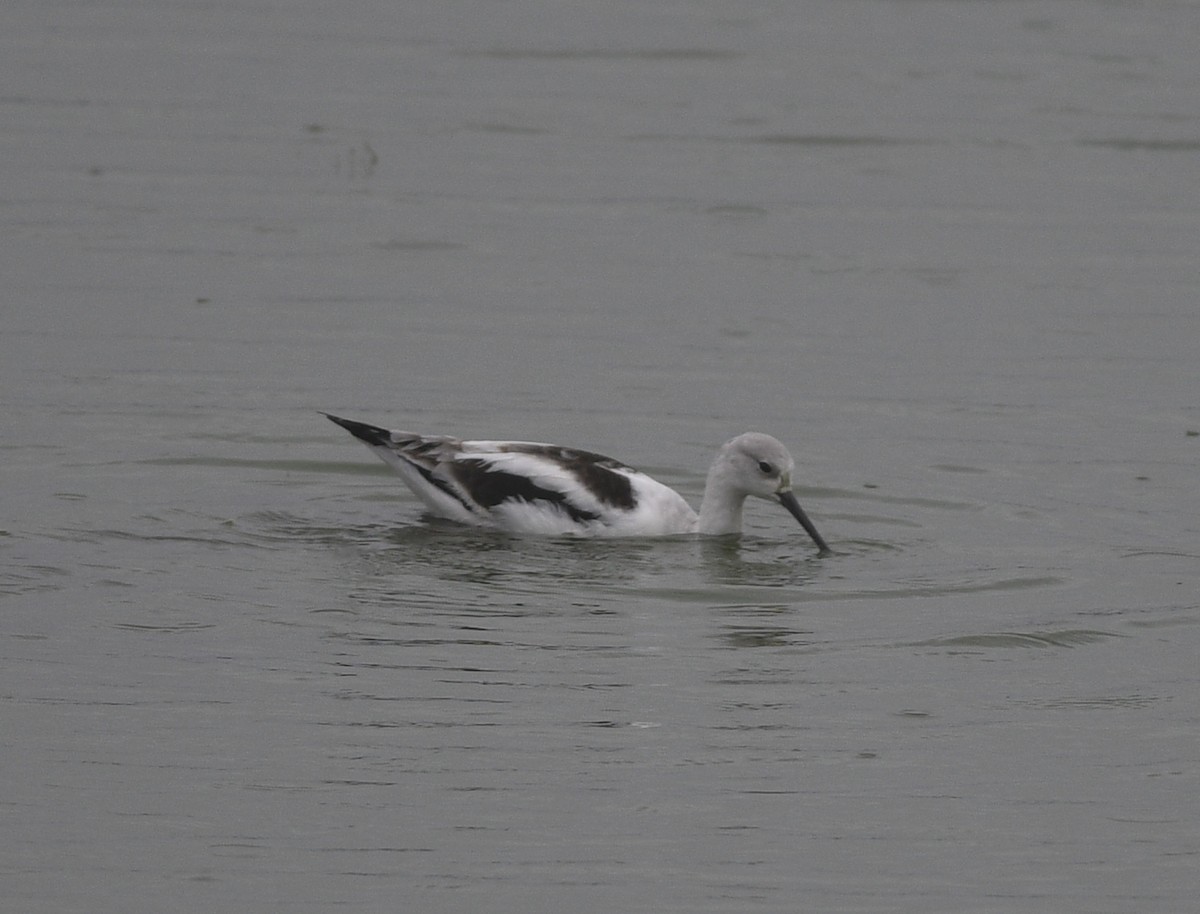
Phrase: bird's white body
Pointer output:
(528, 487)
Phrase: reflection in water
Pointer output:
(466, 555)
(753, 562)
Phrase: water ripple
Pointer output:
(1064, 638)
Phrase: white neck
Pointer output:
(721, 509)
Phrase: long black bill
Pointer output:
(788, 500)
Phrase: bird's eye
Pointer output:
(766, 467)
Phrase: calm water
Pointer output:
(946, 251)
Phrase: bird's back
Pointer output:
(530, 487)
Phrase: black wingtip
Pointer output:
(371, 434)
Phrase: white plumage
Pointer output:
(526, 487)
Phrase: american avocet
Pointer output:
(523, 487)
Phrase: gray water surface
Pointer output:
(947, 252)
